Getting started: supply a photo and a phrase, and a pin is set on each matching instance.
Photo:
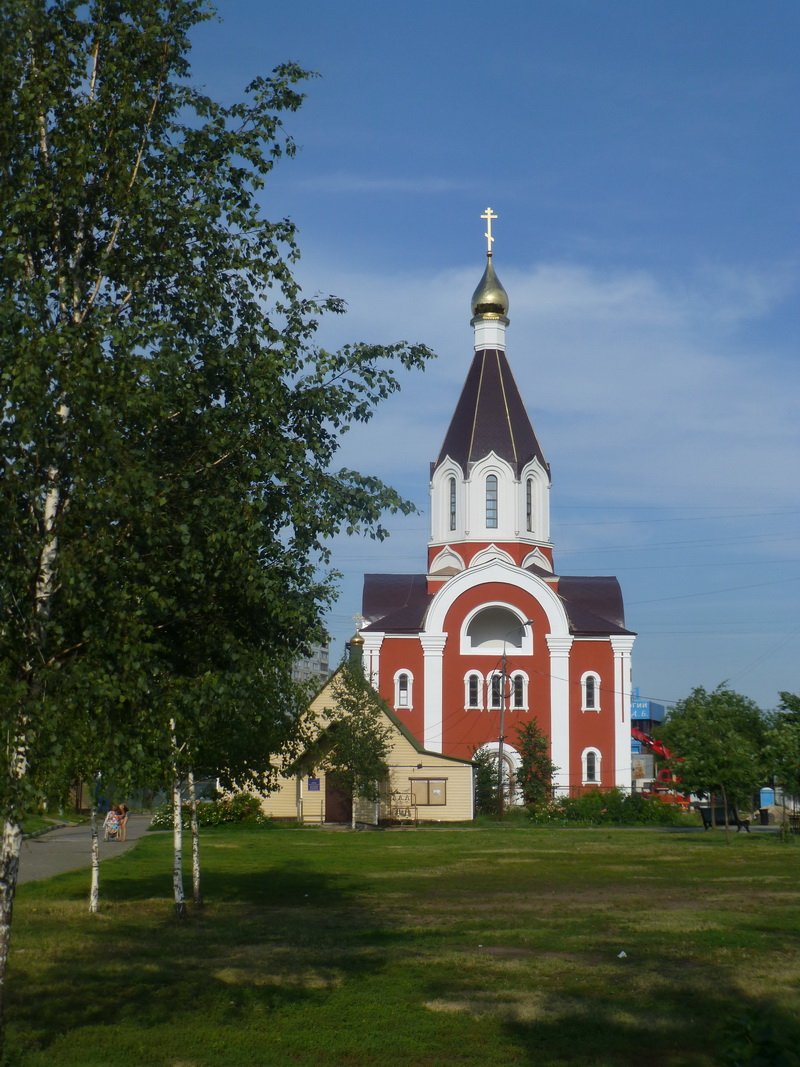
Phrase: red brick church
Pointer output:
(491, 635)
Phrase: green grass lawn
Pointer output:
(493, 946)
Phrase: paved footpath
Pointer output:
(69, 848)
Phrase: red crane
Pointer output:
(666, 781)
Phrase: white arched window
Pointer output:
(590, 691)
(519, 691)
(491, 502)
(495, 688)
(591, 759)
(403, 690)
(473, 690)
(529, 504)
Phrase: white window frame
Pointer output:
(585, 677)
(493, 498)
(490, 703)
(479, 705)
(598, 760)
(524, 679)
(408, 705)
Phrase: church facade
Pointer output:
(491, 636)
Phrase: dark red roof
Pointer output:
(490, 417)
(395, 602)
(593, 605)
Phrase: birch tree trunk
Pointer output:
(177, 850)
(12, 844)
(197, 896)
(94, 890)
(18, 748)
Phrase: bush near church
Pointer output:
(608, 807)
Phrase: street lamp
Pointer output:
(500, 745)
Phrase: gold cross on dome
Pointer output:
(489, 215)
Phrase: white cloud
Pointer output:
(640, 391)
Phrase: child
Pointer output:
(111, 824)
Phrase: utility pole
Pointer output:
(501, 796)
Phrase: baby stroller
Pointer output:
(111, 826)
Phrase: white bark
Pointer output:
(178, 893)
(197, 896)
(94, 890)
(9, 868)
(179, 896)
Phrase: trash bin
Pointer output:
(763, 816)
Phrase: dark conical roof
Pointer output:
(490, 417)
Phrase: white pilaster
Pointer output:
(622, 647)
(371, 656)
(559, 710)
(432, 651)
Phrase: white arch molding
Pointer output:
(559, 642)
(510, 757)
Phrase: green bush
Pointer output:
(602, 807)
(241, 807)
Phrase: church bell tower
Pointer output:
(490, 485)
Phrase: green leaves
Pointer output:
(718, 741)
(168, 428)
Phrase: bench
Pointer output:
(719, 818)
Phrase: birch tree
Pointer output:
(168, 425)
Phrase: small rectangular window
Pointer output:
(452, 503)
(429, 792)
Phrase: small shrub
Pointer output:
(241, 807)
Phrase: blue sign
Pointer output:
(313, 785)
(647, 709)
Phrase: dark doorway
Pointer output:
(338, 802)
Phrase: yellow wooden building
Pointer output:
(422, 786)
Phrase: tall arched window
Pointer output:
(403, 689)
(519, 691)
(491, 502)
(529, 504)
(452, 503)
(473, 690)
(590, 758)
(590, 691)
(496, 690)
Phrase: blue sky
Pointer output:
(643, 160)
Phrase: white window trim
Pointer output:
(598, 761)
(524, 705)
(490, 704)
(480, 705)
(584, 679)
(409, 706)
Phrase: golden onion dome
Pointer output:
(490, 300)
